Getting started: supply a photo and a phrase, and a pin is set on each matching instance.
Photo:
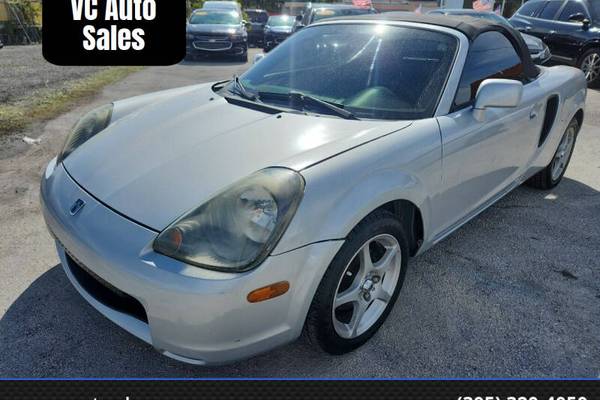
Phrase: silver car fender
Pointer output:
(343, 190)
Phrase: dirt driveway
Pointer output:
(514, 293)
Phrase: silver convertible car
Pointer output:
(221, 220)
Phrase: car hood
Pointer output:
(213, 28)
(170, 152)
(534, 44)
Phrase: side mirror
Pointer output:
(298, 18)
(579, 17)
(497, 93)
(258, 57)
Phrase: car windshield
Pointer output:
(281, 20)
(223, 17)
(258, 16)
(224, 5)
(375, 71)
(322, 13)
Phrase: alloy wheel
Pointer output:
(591, 67)
(563, 153)
(367, 286)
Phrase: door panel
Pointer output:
(480, 159)
(567, 38)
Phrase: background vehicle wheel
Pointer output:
(589, 63)
(243, 57)
(360, 286)
(551, 176)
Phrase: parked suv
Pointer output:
(258, 20)
(571, 28)
(540, 54)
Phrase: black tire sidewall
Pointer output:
(554, 182)
(320, 316)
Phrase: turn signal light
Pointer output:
(268, 292)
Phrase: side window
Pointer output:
(530, 8)
(550, 10)
(572, 7)
(491, 55)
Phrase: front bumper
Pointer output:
(236, 47)
(187, 313)
(256, 36)
(272, 40)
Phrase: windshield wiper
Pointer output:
(241, 91)
(303, 99)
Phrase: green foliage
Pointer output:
(27, 9)
(194, 4)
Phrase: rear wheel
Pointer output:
(551, 176)
(360, 286)
(589, 63)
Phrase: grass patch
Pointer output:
(47, 103)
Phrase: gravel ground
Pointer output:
(514, 293)
(23, 70)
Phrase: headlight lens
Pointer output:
(91, 124)
(237, 229)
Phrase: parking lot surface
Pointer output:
(514, 293)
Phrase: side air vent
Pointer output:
(549, 118)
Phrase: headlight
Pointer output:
(237, 229)
(91, 124)
(189, 36)
(237, 36)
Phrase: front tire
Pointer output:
(360, 286)
(551, 176)
(589, 63)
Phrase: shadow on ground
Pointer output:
(514, 293)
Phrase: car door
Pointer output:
(481, 159)
(567, 37)
(543, 24)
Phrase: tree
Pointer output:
(27, 10)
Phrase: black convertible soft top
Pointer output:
(469, 26)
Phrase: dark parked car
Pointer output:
(258, 19)
(217, 31)
(571, 28)
(278, 28)
(314, 12)
(540, 54)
